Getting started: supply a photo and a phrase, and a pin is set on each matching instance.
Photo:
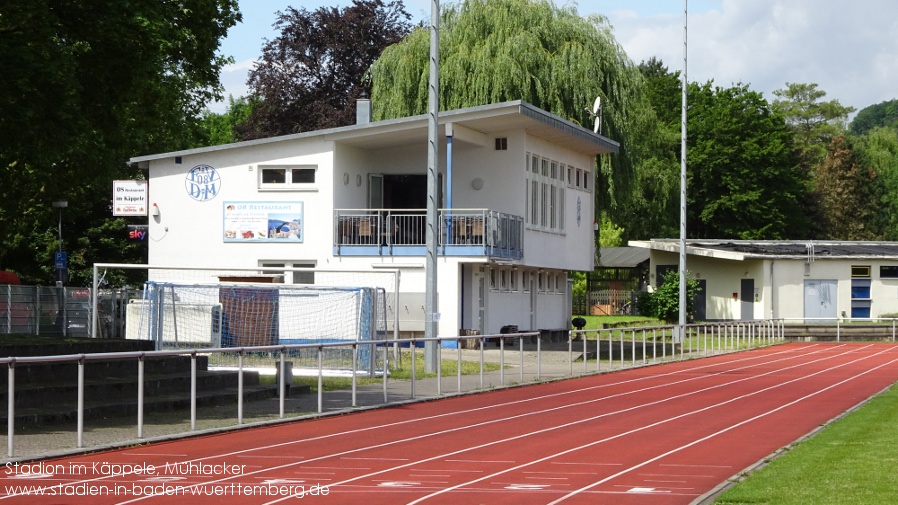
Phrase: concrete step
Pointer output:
(66, 411)
(123, 389)
(67, 371)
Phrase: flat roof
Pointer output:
(485, 119)
(777, 249)
(622, 257)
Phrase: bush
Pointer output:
(665, 301)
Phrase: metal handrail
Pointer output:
(706, 339)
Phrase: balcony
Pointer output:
(402, 232)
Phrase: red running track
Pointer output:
(656, 435)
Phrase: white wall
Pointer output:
(781, 284)
(189, 232)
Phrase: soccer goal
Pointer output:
(189, 308)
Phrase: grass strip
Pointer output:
(852, 461)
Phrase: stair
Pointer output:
(47, 393)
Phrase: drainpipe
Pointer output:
(449, 135)
(772, 292)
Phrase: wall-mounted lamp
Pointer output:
(345, 178)
(595, 225)
(477, 184)
(358, 180)
(155, 210)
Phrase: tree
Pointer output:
(86, 86)
(220, 129)
(653, 208)
(311, 74)
(881, 114)
(845, 193)
(742, 181)
(877, 150)
(532, 50)
(814, 123)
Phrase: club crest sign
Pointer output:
(202, 183)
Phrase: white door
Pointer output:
(820, 299)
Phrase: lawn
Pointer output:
(853, 461)
(402, 372)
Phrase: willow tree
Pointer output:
(499, 50)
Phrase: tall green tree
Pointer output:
(847, 194)
(881, 114)
(743, 183)
(310, 75)
(532, 50)
(653, 208)
(86, 86)
(217, 129)
(877, 150)
(814, 122)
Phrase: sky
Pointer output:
(849, 49)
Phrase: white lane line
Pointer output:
(643, 428)
(453, 430)
(788, 354)
(719, 432)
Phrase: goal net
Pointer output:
(190, 309)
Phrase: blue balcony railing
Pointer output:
(402, 232)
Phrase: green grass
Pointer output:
(597, 322)
(448, 368)
(853, 461)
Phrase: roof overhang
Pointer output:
(486, 120)
(810, 250)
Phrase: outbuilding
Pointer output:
(793, 280)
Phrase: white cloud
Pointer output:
(849, 49)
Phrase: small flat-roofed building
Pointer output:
(810, 280)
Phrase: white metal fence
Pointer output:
(584, 352)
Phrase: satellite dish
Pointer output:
(597, 115)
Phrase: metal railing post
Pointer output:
(81, 402)
(411, 348)
(140, 367)
(240, 387)
(481, 362)
(282, 382)
(193, 391)
(386, 370)
(502, 360)
(458, 343)
(355, 367)
(538, 357)
(320, 350)
(10, 407)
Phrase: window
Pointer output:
(282, 177)
(513, 280)
(544, 204)
(860, 271)
(888, 272)
(860, 291)
(503, 279)
(292, 277)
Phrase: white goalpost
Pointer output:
(223, 307)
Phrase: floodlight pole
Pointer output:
(682, 320)
(431, 307)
